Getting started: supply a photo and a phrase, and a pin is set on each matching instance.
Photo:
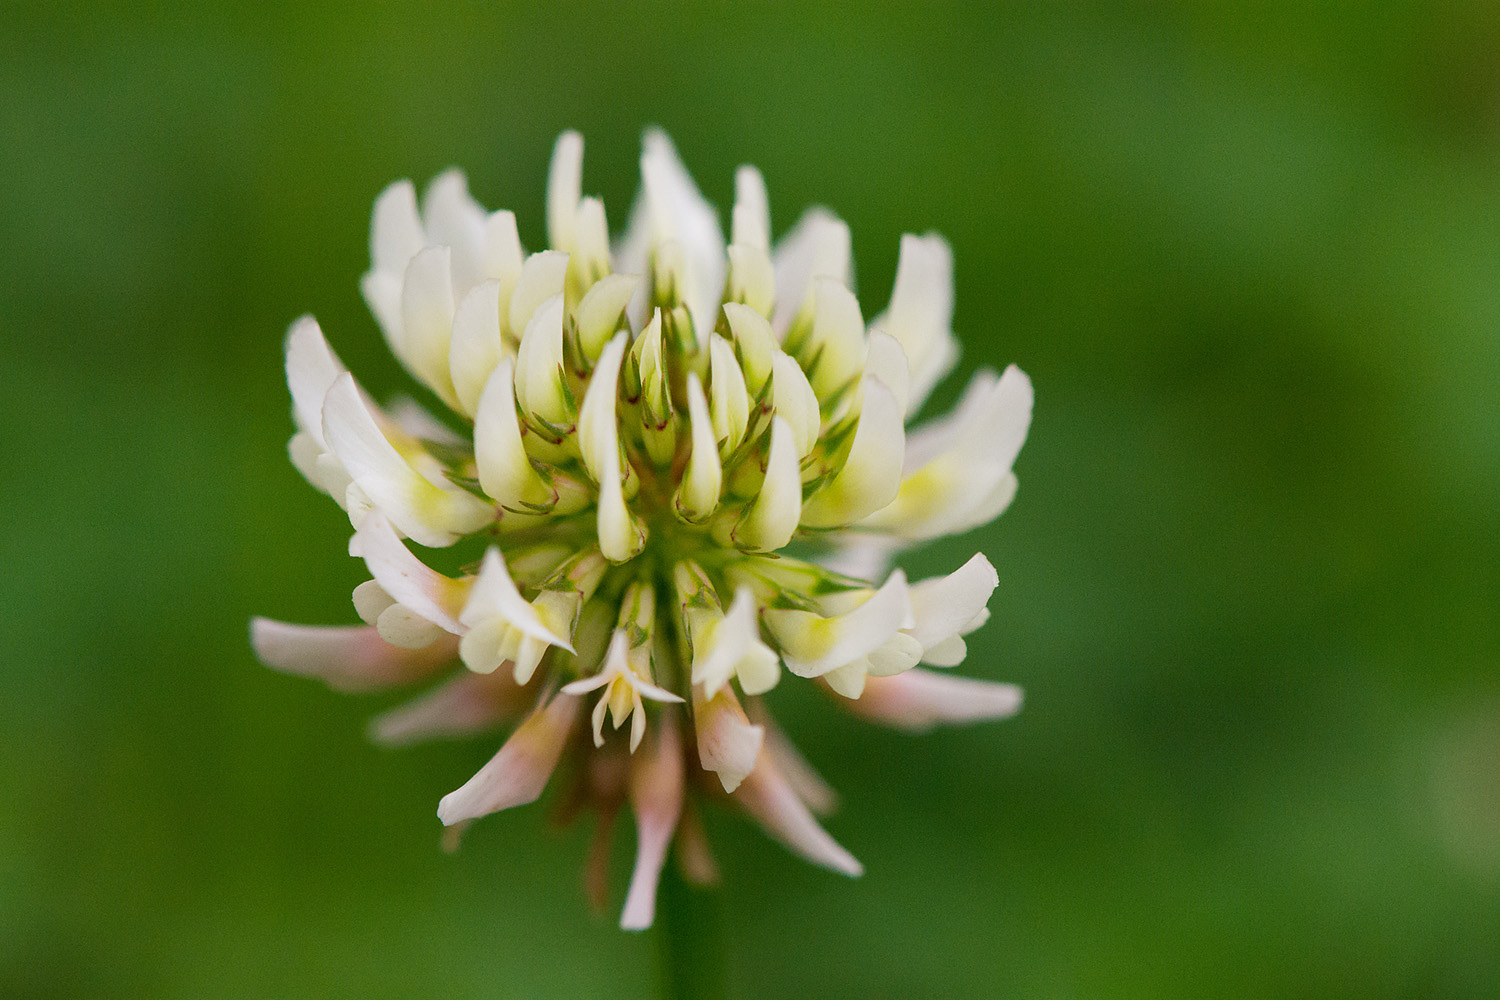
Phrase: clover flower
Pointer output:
(650, 431)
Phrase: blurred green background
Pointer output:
(1249, 254)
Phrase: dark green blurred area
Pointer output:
(1250, 257)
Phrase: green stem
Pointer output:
(690, 923)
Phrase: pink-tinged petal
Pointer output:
(920, 699)
(407, 579)
(656, 782)
(518, 773)
(768, 797)
(345, 657)
(727, 742)
(468, 704)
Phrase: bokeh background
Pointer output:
(1249, 254)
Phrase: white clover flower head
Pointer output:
(646, 428)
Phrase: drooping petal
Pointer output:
(427, 513)
(407, 579)
(494, 595)
(345, 657)
(920, 699)
(728, 743)
(769, 798)
(466, 705)
(518, 773)
(656, 794)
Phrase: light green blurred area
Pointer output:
(1250, 258)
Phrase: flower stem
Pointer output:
(690, 940)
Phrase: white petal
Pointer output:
(850, 679)
(464, 706)
(767, 796)
(943, 606)
(564, 188)
(920, 315)
(871, 475)
(771, 520)
(887, 361)
(698, 496)
(727, 743)
(407, 579)
(812, 645)
(794, 400)
(948, 653)
(505, 472)
(834, 353)
(601, 311)
(503, 255)
(714, 661)
(620, 538)
(541, 277)
(729, 401)
(817, 247)
(345, 657)
(403, 627)
(427, 319)
(752, 279)
(920, 699)
(541, 388)
(656, 795)
(896, 655)
(754, 344)
(311, 368)
(477, 345)
(494, 594)
(751, 223)
(452, 218)
(370, 599)
(429, 515)
(518, 773)
(679, 213)
(396, 229)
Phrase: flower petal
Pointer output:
(407, 579)
(477, 345)
(678, 213)
(871, 474)
(769, 798)
(771, 519)
(656, 795)
(494, 594)
(812, 645)
(464, 706)
(943, 606)
(345, 657)
(427, 319)
(518, 773)
(920, 699)
(727, 743)
(428, 514)
(920, 316)
(564, 189)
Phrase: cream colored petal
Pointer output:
(477, 344)
(395, 229)
(370, 599)
(505, 471)
(812, 645)
(871, 474)
(834, 353)
(494, 594)
(403, 627)
(541, 387)
(754, 344)
(406, 578)
(729, 401)
(601, 312)
(542, 276)
(920, 699)
(564, 189)
(518, 773)
(817, 247)
(769, 798)
(679, 213)
(752, 279)
(345, 657)
(698, 495)
(311, 368)
(795, 402)
(771, 520)
(943, 606)
(920, 315)
(452, 218)
(887, 361)
(427, 319)
(503, 254)
(727, 742)
(428, 514)
(751, 222)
